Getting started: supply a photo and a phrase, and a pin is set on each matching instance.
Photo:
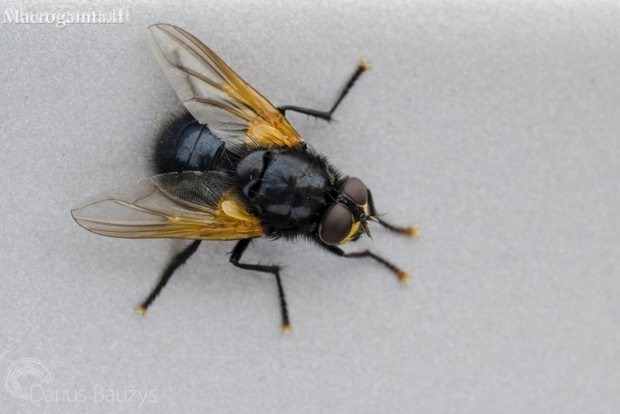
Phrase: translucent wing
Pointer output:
(215, 95)
(189, 205)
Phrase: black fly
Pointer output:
(231, 167)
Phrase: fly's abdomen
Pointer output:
(186, 145)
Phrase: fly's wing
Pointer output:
(215, 95)
(188, 205)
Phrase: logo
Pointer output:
(29, 379)
(25, 374)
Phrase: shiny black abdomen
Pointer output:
(288, 189)
(186, 145)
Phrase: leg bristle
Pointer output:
(363, 65)
(141, 310)
(286, 328)
(404, 277)
(413, 231)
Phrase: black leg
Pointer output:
(403, 276)
(274, 270)
(412, 231)
(176, 261)
(327, 115)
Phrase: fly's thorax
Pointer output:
(288, 189)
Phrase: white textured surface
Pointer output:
(494, 126)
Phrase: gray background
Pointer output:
(493, 126)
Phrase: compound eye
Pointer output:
(337, 224)
(356, 189)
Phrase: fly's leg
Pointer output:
(176, 261)
(412, 231)
(235, 256)
(403, 276)
(327, 115)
